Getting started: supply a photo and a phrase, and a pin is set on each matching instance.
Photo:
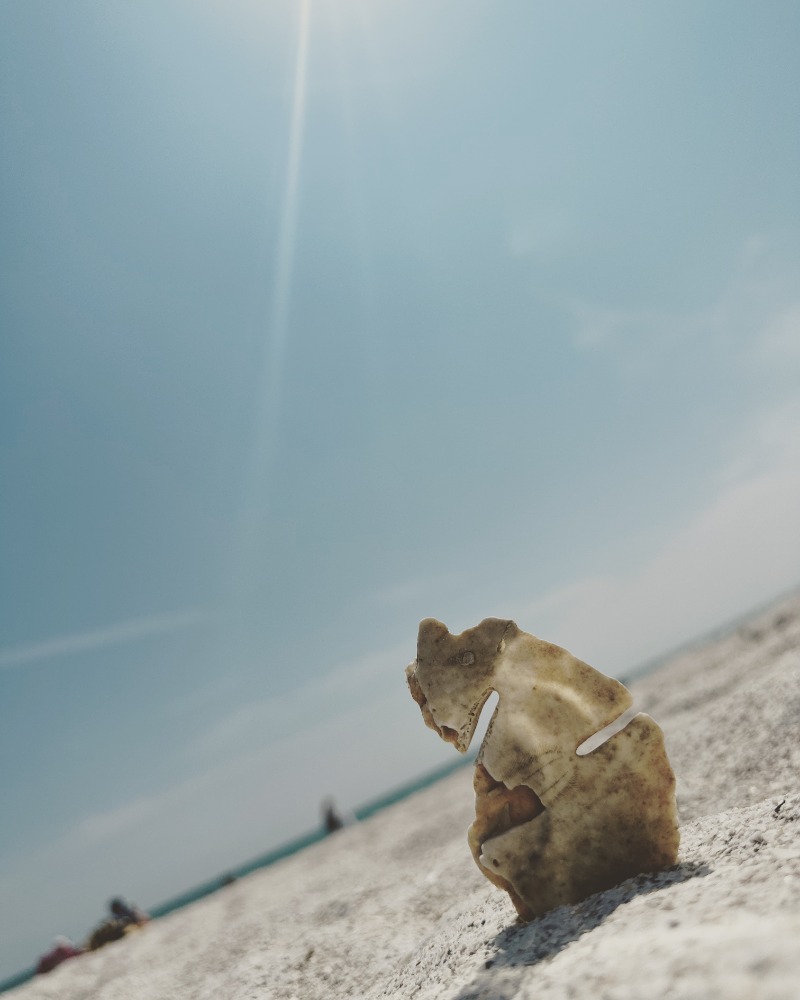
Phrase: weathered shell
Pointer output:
(551, 827)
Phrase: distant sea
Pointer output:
(307, 839)
(279, 853)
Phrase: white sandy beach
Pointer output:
(395, 907)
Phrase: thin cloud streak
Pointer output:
(759, 295)
(377, 673)
(721, 563)
(110, 635)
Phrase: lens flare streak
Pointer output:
(259, 473)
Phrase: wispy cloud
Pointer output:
(371, 675)
(99, 638)
(756, 306)
(414, 590)
(112, 822)
(779, 343)
(740, 549)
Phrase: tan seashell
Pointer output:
(551, 827)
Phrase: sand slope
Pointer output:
(395, 907)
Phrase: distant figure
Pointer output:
(62, 949)
(106, 931)
(127, 914)
(124, 919)
(330, 818)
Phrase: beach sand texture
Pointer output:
(395, 907)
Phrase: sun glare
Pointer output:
(265, 435)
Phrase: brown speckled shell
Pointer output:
(551, 827)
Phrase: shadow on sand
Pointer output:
(528, 944)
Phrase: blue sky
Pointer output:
(318, 318)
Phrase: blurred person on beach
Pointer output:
(331, 819)
(126, 913)
(62, 949)
(123, 919)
